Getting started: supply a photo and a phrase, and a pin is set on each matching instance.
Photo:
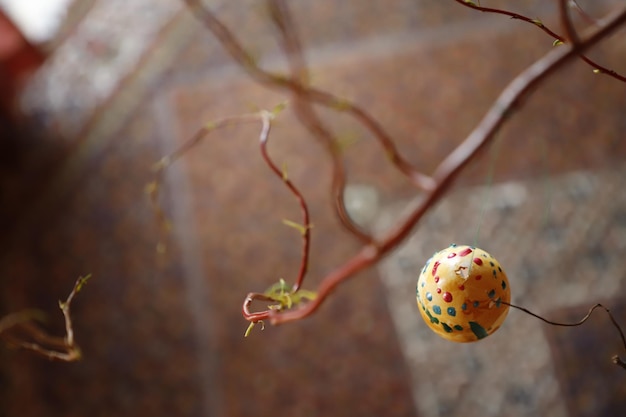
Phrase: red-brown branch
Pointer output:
(451, 166)
(597, 67)
(290, 42)
(234, 47)
(435, 185)
(265, 117)
(306, 219)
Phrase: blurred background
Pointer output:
(93, 99)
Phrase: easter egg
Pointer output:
(461, 293)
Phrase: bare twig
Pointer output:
(52, 347)
(153, 189)
(600, 69)
(305, 227)
(281, 298)
(281, 16)
(616, 359)
(239, 54)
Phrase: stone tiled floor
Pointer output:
(163, 335)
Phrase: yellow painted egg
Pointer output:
(461, 293)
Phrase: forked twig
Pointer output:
(153, 189)
(51, 347)
(278, 296)
(302, 92)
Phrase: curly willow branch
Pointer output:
(305, 227)
(278, 295)
(451, 166)
(153, 189)
(281, 295)
(308, 116)
(567, 23)
(304, 95)
(435, 186)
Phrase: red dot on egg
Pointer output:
(478, 277)
(438, 290)
(435, 266)
(465, 251)
(452, 255)
(447, 297)
(436, 279)
(478, 261)
(461, 287)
